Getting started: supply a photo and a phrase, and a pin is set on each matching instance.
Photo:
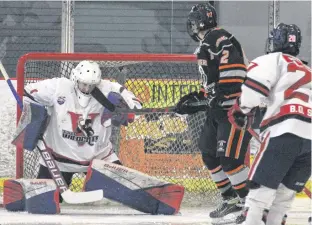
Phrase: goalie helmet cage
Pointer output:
(159, 144)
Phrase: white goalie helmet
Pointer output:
(85, 76)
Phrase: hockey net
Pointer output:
(163, 145)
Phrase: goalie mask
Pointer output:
(85, 76)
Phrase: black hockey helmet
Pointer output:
(201, 17)
(285, 38)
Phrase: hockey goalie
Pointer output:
(78, 135)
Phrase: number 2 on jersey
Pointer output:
(296, 67)
(225, 57)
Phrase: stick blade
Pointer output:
(82, 197)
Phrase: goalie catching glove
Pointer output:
(241, 118)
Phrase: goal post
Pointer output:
(163, 145)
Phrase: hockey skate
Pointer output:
(227, 211)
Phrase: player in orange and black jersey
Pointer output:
(221, 63)
(222, 67)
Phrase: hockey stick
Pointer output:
(68, 196)
(256, 136)
(102, 99)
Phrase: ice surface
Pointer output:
(120, 215)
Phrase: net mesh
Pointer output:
(163, 145)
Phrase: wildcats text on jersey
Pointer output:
(79, 138)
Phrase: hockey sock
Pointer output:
(217, 175)
(229, 193)
(222, 181)
(258, 199)
(237, 174)
(281, 205)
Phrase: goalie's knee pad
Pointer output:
(134, 189)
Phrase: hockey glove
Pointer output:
(117, 119)
(238, 119)
(187, 104)
(130, 99)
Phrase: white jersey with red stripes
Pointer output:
(72, 149)
(283, 83)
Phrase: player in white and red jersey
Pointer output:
(78, 130)
(283, 164)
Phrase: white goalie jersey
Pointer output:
(283, 83)
(72, 149)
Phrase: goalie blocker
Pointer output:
(31, 126)
(134, 189)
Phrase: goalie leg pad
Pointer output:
(134, 189)
(42, 196)
(13, 196)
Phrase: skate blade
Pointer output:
(227, 219)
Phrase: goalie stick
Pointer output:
(102, 99)
(68, 196)
(256, 136)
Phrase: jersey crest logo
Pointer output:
(81, 133)
(61, 100)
